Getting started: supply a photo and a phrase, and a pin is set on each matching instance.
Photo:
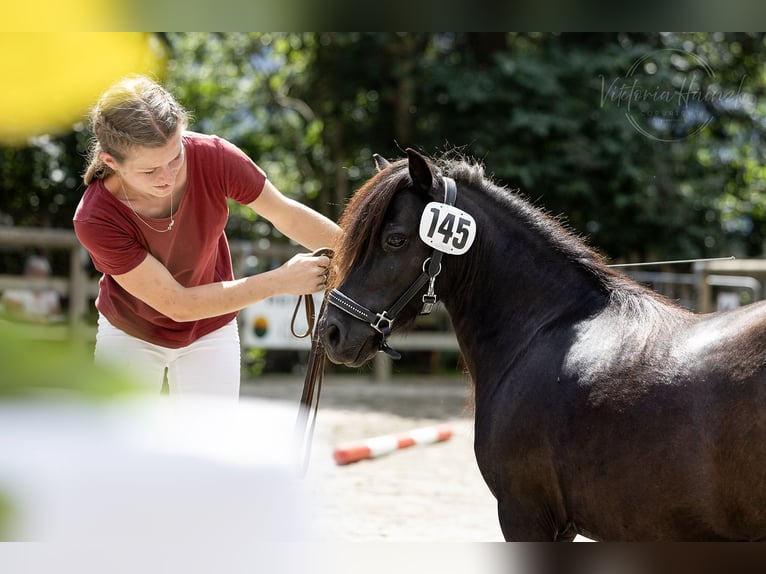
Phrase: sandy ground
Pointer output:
(424, 493)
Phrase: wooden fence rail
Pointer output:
(78, 287)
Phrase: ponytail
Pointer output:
(97, 169)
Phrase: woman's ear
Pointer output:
(109, 160)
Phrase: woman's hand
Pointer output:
(304, 273)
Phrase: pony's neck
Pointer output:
(524, 273)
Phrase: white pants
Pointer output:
(209, 365)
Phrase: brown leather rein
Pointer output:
(303, 436)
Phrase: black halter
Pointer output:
(383, 322)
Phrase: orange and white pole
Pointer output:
(385, 444)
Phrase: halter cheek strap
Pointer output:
(383, 322)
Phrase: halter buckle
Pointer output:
(382, 324)
(429, 298)
(428, 304)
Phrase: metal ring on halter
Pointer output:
(426, 263)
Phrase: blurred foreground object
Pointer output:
(51, 79)
(87, 457)
(157, 469)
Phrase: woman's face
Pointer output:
(150, 171)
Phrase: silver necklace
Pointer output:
(172, 220)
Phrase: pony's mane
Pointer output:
(633, 298)
(361, 223)
(561, 237)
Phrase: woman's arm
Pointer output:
(153, 284)
(295, 220)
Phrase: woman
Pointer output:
(153, 217)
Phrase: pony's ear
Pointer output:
(420, 172)
(381, 163)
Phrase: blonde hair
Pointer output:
(135, 111)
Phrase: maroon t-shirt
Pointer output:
(196, 251)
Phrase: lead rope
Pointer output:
(303, 435)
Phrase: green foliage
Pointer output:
(40, 183)
(253, 362)
(535, 111)
(36, 368)
(239, 86)
(6, 516)
(542, 111)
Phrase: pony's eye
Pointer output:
(396, 241)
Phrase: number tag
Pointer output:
(447, 228)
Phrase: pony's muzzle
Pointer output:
(349, 344)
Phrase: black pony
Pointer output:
(601, 408)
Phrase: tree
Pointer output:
(534, 111)
(546, 113)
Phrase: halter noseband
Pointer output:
(383, 322)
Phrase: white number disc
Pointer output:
(447, 228)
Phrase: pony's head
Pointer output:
(382, 267)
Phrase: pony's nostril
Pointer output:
(331, 335)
